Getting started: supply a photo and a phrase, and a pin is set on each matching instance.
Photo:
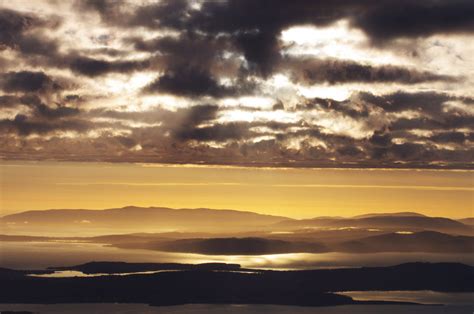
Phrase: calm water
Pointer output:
(423, 296)
(39, 255)
(218, 309)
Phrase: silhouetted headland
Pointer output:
(308, 288)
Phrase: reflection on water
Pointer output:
(75, 273)
(424, 296)
(40, 255)
(233, 309)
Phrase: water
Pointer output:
(422, 296)
(100, 308)
(40, 255)
(74, 273)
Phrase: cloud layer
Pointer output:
(241, 82)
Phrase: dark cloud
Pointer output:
(58, 112)
(12, 25)
(39, 108)
(189, 49)
(27, 81)
(430, 102)
(250, 26)
(8, 101)
(260, 49)
(216, 132)
(126, 141)
(415, 123)
(395, 19)
(311, 71)
(444, 123)
(409, 151)
(25, 33)
(197, 114)
(430, 108)
(22, 125)
(189, 82)
(347, 107)
(349, 150)
(107, 9)
(167, 13)
(380, 139)
(449, 137)
(191, 64)
(253, 26)
(37, 44)
(96, 67)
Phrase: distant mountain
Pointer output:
(397, 221)
(400, 214)
(426, 241)
(141, 219)
(467, 221)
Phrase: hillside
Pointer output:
(141, 219)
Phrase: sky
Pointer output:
(108, 103)
(257, 83)
(291, 192)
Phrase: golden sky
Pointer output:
(299, 193)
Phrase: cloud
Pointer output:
(449, 137)
(430, 103)
(22, 125)
(12, 25)
(7, 101)
(96, 67)
(23, 32)
(394, 19)
(310, 71)
(28, 81)
(189, 82)
(217, 132)
(218, 82)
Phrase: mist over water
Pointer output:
(40, 255)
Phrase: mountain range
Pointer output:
(161, 219)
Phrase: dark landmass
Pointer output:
(123, 267)
(231, 246)
(24, 238)
(399, 222)
(308, 288)
(347, 241)
(426, 241)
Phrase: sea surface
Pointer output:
(420, 296)
(40, 255)
(127, 308)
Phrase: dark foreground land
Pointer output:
(218, 284)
